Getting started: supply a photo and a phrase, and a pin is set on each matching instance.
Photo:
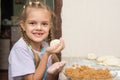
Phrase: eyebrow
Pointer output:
(40, 21)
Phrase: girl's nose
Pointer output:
(39, 27)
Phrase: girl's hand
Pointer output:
(57, 47)
(56, 67)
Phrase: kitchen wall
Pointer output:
(91, 26)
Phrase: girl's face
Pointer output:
(37, 24)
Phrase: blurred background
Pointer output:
(9, 32)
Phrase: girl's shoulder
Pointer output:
(20, 43)
(21, 48)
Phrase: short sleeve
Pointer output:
(21, 62)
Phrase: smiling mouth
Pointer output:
(38, 34)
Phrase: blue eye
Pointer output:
(44, 23)
(32, 23)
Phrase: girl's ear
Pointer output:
(22, 25)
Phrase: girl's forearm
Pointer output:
(39, 73)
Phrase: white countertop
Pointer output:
(83, 61)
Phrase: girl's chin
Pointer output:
(37, 40)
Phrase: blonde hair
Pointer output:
(23, 17)
(40, 5)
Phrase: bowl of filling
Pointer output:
(84, 72)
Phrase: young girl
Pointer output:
(31, 56)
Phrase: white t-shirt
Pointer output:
(21, 60)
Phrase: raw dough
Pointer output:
(91, 56)
(109, 60)
(54, 42)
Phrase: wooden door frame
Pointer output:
(58, 22)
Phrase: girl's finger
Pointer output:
(59, 49)
(62, 42)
